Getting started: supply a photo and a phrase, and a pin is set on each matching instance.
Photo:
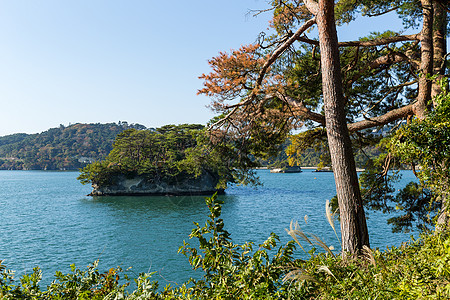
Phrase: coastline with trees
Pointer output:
(61, 148)
(337, 92)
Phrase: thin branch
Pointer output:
(224, 119)
(371, 43)
(388, 59)
(283, 39)
(387, 164)
(444, 4)
(308, 40)
(301, 109)
(392, 89)
(388, 117)
(240, 104)
(280, 51)
(383, 13)
(256, 12)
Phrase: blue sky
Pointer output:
(100, 61)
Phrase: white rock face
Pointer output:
(204, 184)
(287, 170)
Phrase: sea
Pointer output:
(46, 220)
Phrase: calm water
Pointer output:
(47, 221)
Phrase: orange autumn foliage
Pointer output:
(233, 74)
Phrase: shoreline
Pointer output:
(307, 168)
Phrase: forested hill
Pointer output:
(63, 148)
(73, 147)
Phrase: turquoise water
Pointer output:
(47, 221)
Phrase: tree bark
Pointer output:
(443, 221)
(439, 52)
(439, 46)
(426, 63)
(354, 231)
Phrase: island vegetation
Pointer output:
(169, 156)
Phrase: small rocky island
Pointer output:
(171, 160)
(139, 185)
(288, 169)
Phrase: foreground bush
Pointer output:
(418, 270)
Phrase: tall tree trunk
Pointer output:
(443, 221)
(426, 63)
(439, 51)
(439, 45)
(354, 232)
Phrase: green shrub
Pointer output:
(233, 271)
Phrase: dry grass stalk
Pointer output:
(326, 270)
(368, 255)
(297, 275)
(295, 231)
(322, 244)
(330, 217)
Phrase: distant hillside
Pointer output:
(73, 147)
(62, 148)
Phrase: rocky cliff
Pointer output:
(205, 184)
(294, 169)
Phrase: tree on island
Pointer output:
(168, 154)
(264, 90)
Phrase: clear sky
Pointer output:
(101, 61)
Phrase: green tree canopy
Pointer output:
(167, 153)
